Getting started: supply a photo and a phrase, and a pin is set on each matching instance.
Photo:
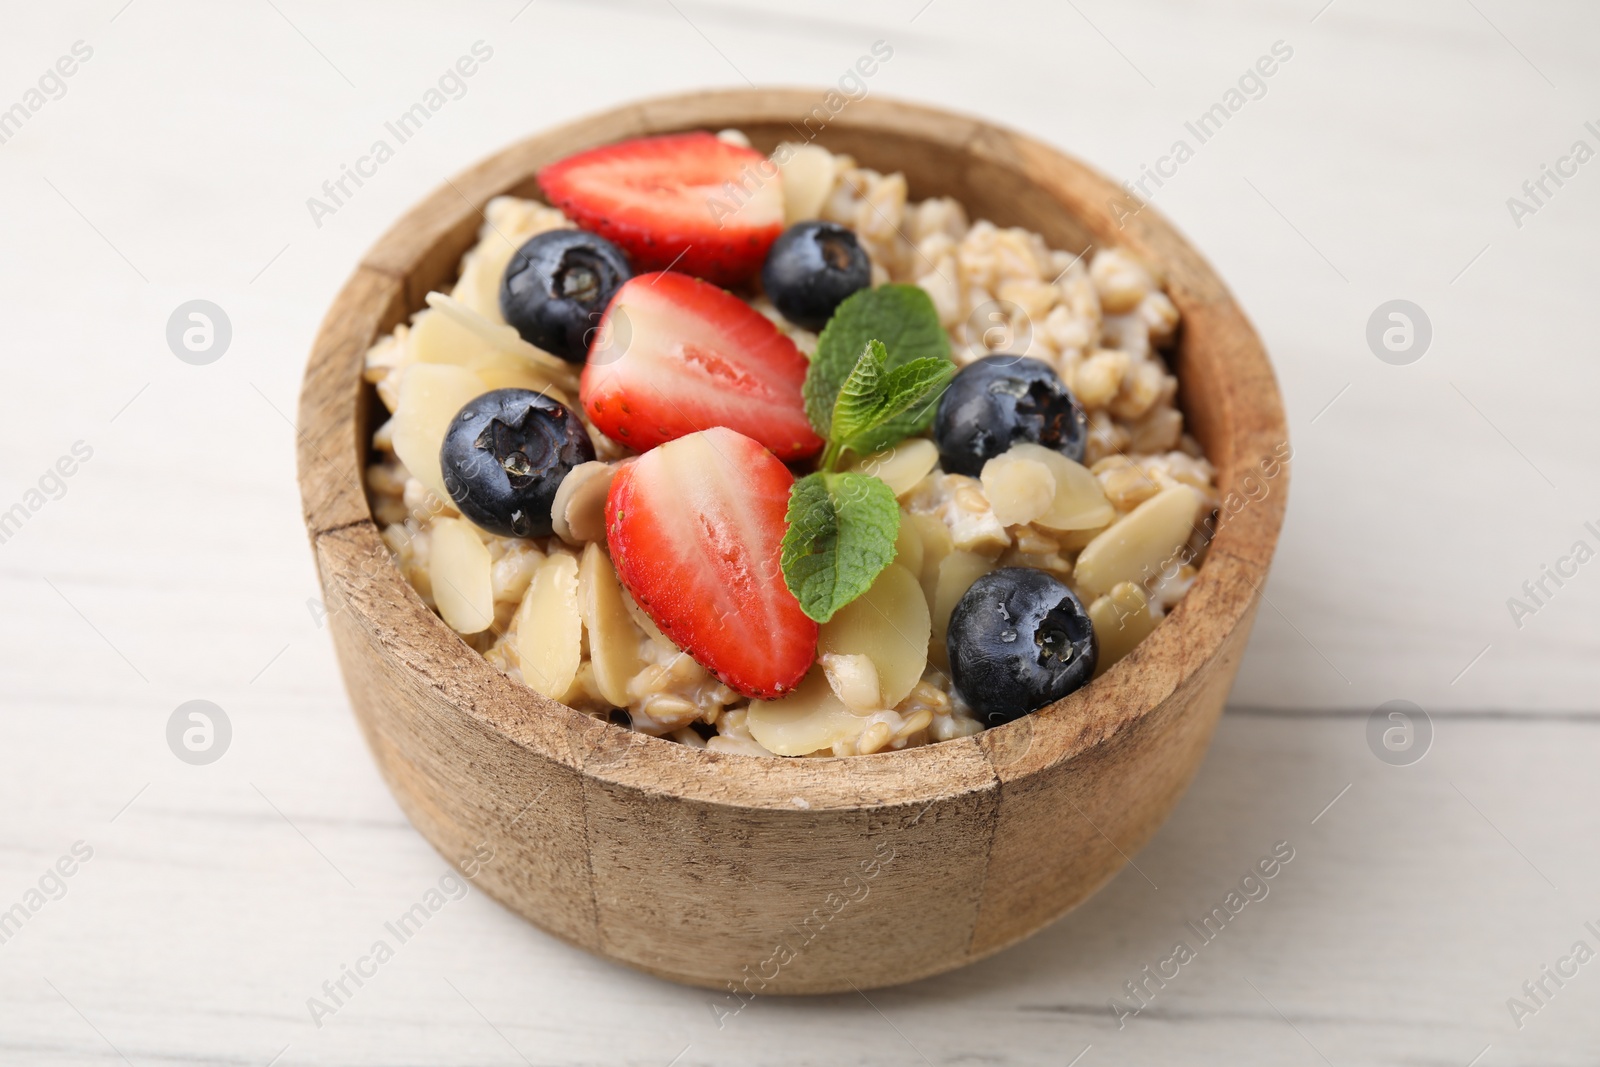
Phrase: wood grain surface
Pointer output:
(1377, 165)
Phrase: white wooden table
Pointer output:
(175, 164)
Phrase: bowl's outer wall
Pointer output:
(788, 876)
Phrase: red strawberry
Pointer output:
(674, 355)
(689, 200)
(695, 529)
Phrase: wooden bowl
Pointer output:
(767, 875)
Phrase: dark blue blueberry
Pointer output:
(557, 286)
(1000, 400)
(811, 268)
(504, 456)
(1019, 640)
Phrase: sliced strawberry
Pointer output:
(695, 529)
(689, 200)
(674, 355)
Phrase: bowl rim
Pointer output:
(1167, 663)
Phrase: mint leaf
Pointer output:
(911, 388)
(861, 397)
(840, 536)
(880, 361)
(903, 318)
(871, 397)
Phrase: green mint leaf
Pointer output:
(860, 404)
(871, 398)
(903, 318)
(914, 388)
(841, 534)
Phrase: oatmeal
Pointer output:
(550, 595)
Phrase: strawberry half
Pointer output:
(674, 355)
(684, 200)
(695, 529)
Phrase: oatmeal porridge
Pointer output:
(1038, 493)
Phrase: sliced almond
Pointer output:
(890, 625)
(578, 513)
(484, 267)
(509, 371)
(807, 179)
(481, 272)
(383, 436)
(1121, 620)
(647, 624)
(388, 353)
(431, 394)
(388, 388)
(1079, 502)
(515, 561)
(908, 545)
(1020, 487)
(902, 466)
(936, 545)
(460, 571)
(808, 720)
(550, 627)
(853, 679)
(1140, 544)
(1073, 540)
(742, 746)
(434, 337)
(956, 574)
(509, 222)
(437, 335)
(613, 638)
(496, 335)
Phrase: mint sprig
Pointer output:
(842, 525)
(873, 397)
(903, 319)
(841, 533)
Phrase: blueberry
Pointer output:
(811, 268)
(1019, 640)
(1000, 400)
(557, 286)
(505, 454)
